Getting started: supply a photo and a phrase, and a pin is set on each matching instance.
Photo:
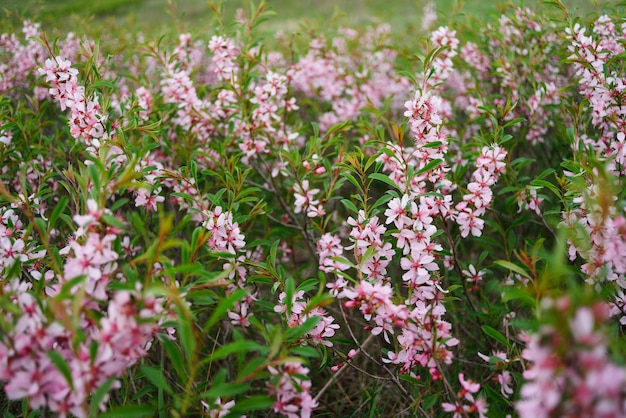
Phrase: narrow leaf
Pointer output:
(493, 333)
(384, 178)
(59, 361)
(130, 411)
(224, 306)
(101, 392)
(234, 347)
(155, 376)
(513, 267)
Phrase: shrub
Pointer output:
(208, 227)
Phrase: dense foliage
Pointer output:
(329, 225)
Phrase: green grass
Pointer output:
(290, 14)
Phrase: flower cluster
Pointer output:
(59, 363)
(489, 165)
(225, 235)
(445, 39)
(22, 58)
(348, 82)
(254, 197)
(416, 320)
(292, 392)
(533, 81)
(329, 248)
(570, 373)
(225, 53)
(300, 313)
(87, 122)
(603, 89)
(466, 402)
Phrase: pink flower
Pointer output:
(10, 252)
(456, 408)
(149, 199)
(492, 159)
(304, 197)
(240, 318)
(469, 222)
(397, 211)
(468, 385)
(218, 409)
(93, 215)
(473, 276)
(291, 390)
(415, 267)
(505, 380)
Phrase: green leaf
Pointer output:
(201, 297)
(155, 376)
(42, 225)
(118, 204)
(93, 350)
(59, 361)
(496, 397)
(58, 209)
(511, 238)
(130, 411)
(513, 267)
(308, 284)
(275, 340)
(545, 173)
(252, 367)
(187, 337)
(194, 170)
(273, 251)
(97, 398)
(343, 260)
(289, 292)
(113, 221)
(430, 166)
(301, 330)
(176, 357)
(369, 254)
(242, 346)
(434, 144)
(429, 401)
(383, 199)
(352, 180)
(319, 300)
(253, 403)
(385, 179)
(408, 378)
(515, 293)
(222, 389)
(223, 307)
(94, 174)
(305, 351)
(513, 122)
(349, 205)
(338, 127)
(102, 83)
(544, 183)
(192, 268)
(493, 333)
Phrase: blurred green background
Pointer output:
(157, 14)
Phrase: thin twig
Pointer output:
(287, 209)
(452, 396)
(392, 376)
(340, 371)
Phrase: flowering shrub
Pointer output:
(210, 228)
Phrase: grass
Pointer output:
(156, 15)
